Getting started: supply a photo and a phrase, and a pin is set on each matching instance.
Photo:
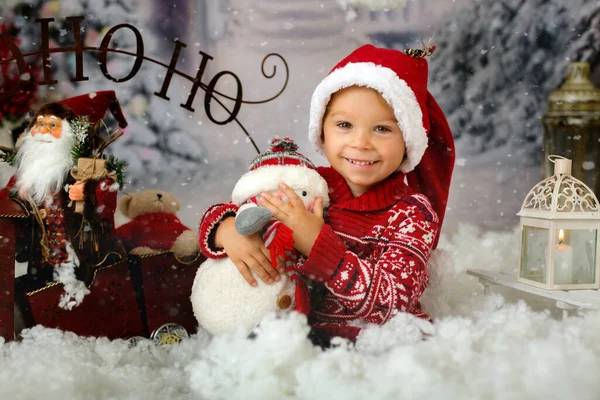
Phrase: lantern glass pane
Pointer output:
(575, 256)
(533, 257)
(579, 143)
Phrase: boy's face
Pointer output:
(362, 139)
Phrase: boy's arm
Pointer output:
(209, 222)
(376, 289)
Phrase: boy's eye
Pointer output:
(381, 128)
(304, 193)
(344, 125)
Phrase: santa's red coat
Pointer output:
(63, 225)
(106, 198)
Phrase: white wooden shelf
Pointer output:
(565, 299)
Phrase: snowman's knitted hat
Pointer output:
(280, 163)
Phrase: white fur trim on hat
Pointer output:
(393, 89)
(268, 177)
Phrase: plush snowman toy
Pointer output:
(221, 298)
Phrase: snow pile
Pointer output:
(479, 347)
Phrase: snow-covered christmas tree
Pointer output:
(496, 64)
(23, 15)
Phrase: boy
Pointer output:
(391, 154)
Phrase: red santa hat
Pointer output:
(401, 79)
(93, 105)
(280, 163)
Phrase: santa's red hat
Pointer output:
(93, 105)
(401, 79)
(280, 163)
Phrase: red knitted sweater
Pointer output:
(371, 254)
(155, 230)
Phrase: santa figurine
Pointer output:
(43, 184)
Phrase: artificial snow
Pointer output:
(74, 289)
(492, 346)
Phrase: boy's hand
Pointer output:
(305, 224)
(248, 253)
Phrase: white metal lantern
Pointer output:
(560, 221)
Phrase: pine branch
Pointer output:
(80, 127)
(118, 167)
(9, 155)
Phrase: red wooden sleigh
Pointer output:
(128, 297)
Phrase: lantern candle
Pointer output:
(563, 261)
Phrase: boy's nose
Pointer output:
(361, 139)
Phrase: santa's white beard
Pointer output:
(43, 163)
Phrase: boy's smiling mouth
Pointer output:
(360, 162)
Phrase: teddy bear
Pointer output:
(221, 298)
(154, 227)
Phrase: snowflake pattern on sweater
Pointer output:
(380, 269)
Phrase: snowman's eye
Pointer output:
(304, 193)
